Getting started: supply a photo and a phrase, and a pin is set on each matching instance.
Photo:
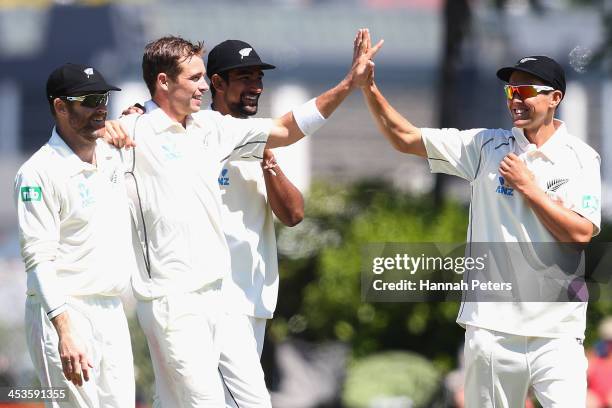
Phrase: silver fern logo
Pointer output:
(245, 52)
(554, 184)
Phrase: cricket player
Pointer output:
(75, 236)
(555, 188)
(251, 192)
(176, 205)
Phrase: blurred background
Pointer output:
(325, 347)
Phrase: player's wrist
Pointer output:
(308, 117)
(529, 190)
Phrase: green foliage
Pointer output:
(320, 293)
(391, 375)
(322, 285)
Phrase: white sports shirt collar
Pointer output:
(162, 122)
(73, 163)
(551, 148)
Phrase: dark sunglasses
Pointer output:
(526, 91)
(89, 101)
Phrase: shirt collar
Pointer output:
(162, 122)
(551, 148)
(73, 163)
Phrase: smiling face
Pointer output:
(535, 112)
(239, 95)
(184, 93)
(82, 122)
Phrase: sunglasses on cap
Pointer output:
(89, 101)
(526, 91)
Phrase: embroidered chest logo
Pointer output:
(503, 188)
(224, 178)
(87, 198)
(554, 184)
(171, 152)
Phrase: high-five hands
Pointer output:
(76, 364)
(362, 70)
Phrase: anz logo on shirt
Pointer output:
(503, 188)
(224, 178)
(87, 198)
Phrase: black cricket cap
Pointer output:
(75, 80)
(545, 68)
(232, 54)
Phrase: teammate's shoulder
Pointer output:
(205, 114)
(106, 150)
(128, 121)
(580, 146)
(41, 162)
(485, 137)
(495, 135)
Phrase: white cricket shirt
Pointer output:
(179, 198)
(75, 215)
(248, 223)
(565, 168)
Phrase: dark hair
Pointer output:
(165, 55)
(225, 76)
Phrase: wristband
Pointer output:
(308, 117)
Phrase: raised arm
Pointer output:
(285, 199)
(403, 135)
(292, 126)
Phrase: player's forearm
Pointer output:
(403, 135)
(288, 130)
(565, 225)
(285, 132)
(329, 100)
(285, 199)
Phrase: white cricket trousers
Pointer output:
(181, 331)
(501, 367)
(102, 326)
(242, 339)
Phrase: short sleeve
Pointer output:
(244, 139)
(455, 152)
(584, 195)
(38, 216)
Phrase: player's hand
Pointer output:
(516, 173)
(362, 69)
(75, 363)
(116, 136)
(269, 162)
(72, 351)
(136, 108)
